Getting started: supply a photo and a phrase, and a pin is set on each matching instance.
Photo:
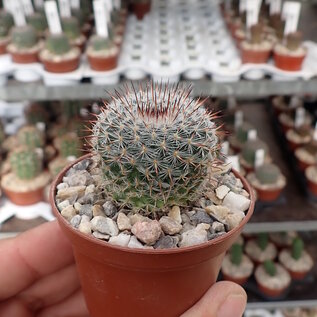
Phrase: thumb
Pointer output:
(223, 299)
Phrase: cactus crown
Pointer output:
(69, 145)
(156, 146)
(24, 36)
(71, 27)
(250, 148)
(99, 43)
(242, 132)
(267, 174)
(6, 23)
(38, 21)
(270, 267)
(31, 137)
(297, 248)
(236, 254)
(58, 44)
(263, 240)
(26, 163)
(256, 33)
(293, 41)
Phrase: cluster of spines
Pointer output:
(30, 137)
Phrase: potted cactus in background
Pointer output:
(71, 29)
(38, 21)
(30, 137)
(142, 209)
(141, 8)
(6, 23)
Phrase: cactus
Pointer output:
(26, 163)
(38, 21)
(242, 132)
(256, 33)
(270, 267)
(250, 148)
(236, 254)
(156, 145)
(2, 135)
(267, 174)
(99, 43)
(297, 248)
(37, 112)
(58, 44)
(30, 137)
(293, 41)
(24, 36)
(263, 240)
(68, 145)
(71, 28)
(6, 23)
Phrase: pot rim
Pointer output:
(92, 239)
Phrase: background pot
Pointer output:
(254, 56)
(268, 194)
(61, 67)
(102, 63)
(240, 281)
(25, 199)
(133, 282)
(141, 9)
(24, 58)
(288, 63)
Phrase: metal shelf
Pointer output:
(283, 304)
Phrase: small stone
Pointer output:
(233, 219)
(211, 195)
(195, 236)
(82, 165)
(185, 218)
(202, 202)
(134, 218)
(123, 222)
(62, 186)
(147, 232)
(97, 210)
(85, 227)
(68, 213)
(211, 236)
(79, 178)
(200, 217)
(90, 189)
(86, 210)
(122, 240)
(66, 193)
(134, 243)
(175, 213)
(222, 191)
(109, 208)
(104, 225)
(87, 199)
(236, 202)
(85, 218)
(72, 199)
(75, 221)
(166, 242)
(101, 236)
(187, 226)
(218, 212)
(77, 206)
(170, 226)
(63, 204)
(217, 227)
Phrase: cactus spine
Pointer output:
(267, 174)
(24, 36)
(58, 44)
(236, 254)
(31, 137)
(156, 145)
(263, 240)
(270, 267)
(297, 248)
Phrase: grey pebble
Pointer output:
(100, 236)
(87, 199)
(82, 165)
(86, 210)
(75, 221)
(109, 208)
(104, 225)
(63, 204)
(200, 217)
(166, 242)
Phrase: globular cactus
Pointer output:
(30, 137)
(236, 253)
(58, 44)
(68, 145)
(256, 31)
(293, 41)
(270, 267)
(71, 109)
(38, 21)
(263, 240)
(6, 23)
(250, 148)
(243, 131)
(297, 248)
(99, 43)
(267, 174)
(26, 163)
(71, 28)
(24, 36)
(156, 145)
(37, 112)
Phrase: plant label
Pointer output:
(233, 161)
(290, 14)
(18, 13)
(75, 4)
(315, 132)
(27, 7)
(299, 117)
(242, 5)
(107, 6)
(41, 126)
(252, 135)
(117, 4)
(53, 20)
(39, 3)
(225, 148)
(259, 158)
(100, 18)
(275, 6)
(253, 9)
(7, 5)
(232, 103)
(64, 8)
(238, 119)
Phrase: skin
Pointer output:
(40, 279)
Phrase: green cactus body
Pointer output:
(242, 132)
(270, 267)
(99, 43)
(58, 44)
(250, 148)
(156, 146)
(2, 135)
(71, 28)
(293, 41)
(263, 240)
(38, 21)
(6, 23)
(297, 248)
(30, 137)
(69, 145)
(24, 36)
(236, 253)
(80, 15)
(26, 163)
(267, 174)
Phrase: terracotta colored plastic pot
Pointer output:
(288, 63)
(3, 48)
(102, 63)
(273, 293)
(254, 57)
(25, 199)
(24, 58)
(302, 165)
(268, 195)
(312, 186)
(141, 9)
(240, 281)
(61, 67)
(119, 281)
(298, 276)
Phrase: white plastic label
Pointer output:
(41, 126)
(252, 135)
(52, 17)
(107, 6)
(238, 119)
(253, 9)
(234, 162)
(315, 132)
(242, 6)
(27, 7)
(75, 4)
(64, 8)
(7, 5)
(299, 117)
(259, 158)
(290, 14)
(39, 3)
(117, 4)
(225, 148)
(100, 18)
(18, 13)
(275, 6)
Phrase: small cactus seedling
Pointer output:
(256, 32)
(297, 248)
(58, 44)
(71, 28)
(267, 174)
(293, 41)
(26, 163)
(69, 145)
(156, 145)
(242, 132)
(270, 267)
(263, 240)
(236, 253)
(24, 36)
(250, 148)
(30, 137)
(6, 23)
(99, 43)
(38, 21)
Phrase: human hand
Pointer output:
(38, 278)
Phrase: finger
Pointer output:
(224, 299)
(14, 307)
(73, 306)
(51, 289)
(30, 256)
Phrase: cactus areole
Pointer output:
(156, 145)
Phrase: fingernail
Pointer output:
(233, 306)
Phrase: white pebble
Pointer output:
(236, 202)
(122, 240)
(222, 191)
